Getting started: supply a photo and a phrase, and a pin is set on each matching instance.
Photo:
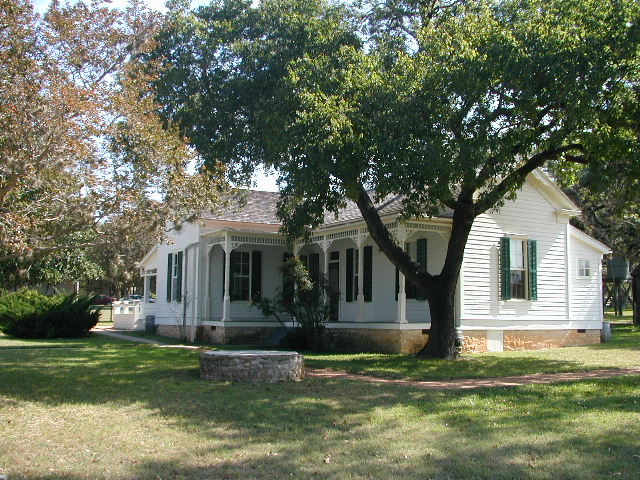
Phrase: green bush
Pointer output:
(28, 314)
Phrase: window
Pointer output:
(518, 269)
(418, 252)
(241, 275)
(246, 275)
(516, 259)
(353, 278)
(584, 268)
(311, 263)
(174, 277)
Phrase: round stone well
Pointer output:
(251, 366)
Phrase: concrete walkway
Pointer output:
(122, 335)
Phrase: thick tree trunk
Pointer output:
(442, 335)
(439, 289)
(441, 296)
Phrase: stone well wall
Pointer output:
(251, 366)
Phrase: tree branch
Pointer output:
(517, 177)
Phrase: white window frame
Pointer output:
(525, 264)
(584, 271)
(175, 276)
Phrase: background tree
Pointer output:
(84, 157)
(449, 104)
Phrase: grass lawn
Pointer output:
(100, 408)
(623, 351)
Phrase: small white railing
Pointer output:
(128, 315)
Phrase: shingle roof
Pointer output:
(391, 204)
(253, 206)
(249, 206)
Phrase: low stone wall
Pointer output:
(251, 366)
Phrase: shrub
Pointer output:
(308, 301)
(29, 314)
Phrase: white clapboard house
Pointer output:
(529, 279)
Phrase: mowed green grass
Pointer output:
(100, 408)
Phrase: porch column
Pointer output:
(360, 317)
(195, 309)
(207, 296)
(226, 302)
(402, 296)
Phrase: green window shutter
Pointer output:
(169, 275)
(532, 256)
(421, 259)
(178, 293)
(314, 267)
(367, 281)
(349, 284)
(505, 268)
(256, 273)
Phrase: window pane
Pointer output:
(517, 255)
(517, 284)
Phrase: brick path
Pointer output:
(475, 382)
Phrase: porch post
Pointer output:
(226, 302)
(195, 310)
(402, 296)
(207, 306)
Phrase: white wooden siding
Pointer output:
(171, 313)
(586, 293)
(532, 217)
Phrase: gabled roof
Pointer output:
(253, 206)
(249, 206)
(589, 241)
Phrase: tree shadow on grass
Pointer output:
(337, 429)
(411, 368)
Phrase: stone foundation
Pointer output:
(251, 366)
(393, 341)
(375, 340)
(477, 341)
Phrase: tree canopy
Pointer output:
(449, 104)
(84, 157)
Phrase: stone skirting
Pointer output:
(405, 341)
(478, 340)
(251, 366)
(376, 340)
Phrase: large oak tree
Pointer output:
(84, 158)
(448, 103)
